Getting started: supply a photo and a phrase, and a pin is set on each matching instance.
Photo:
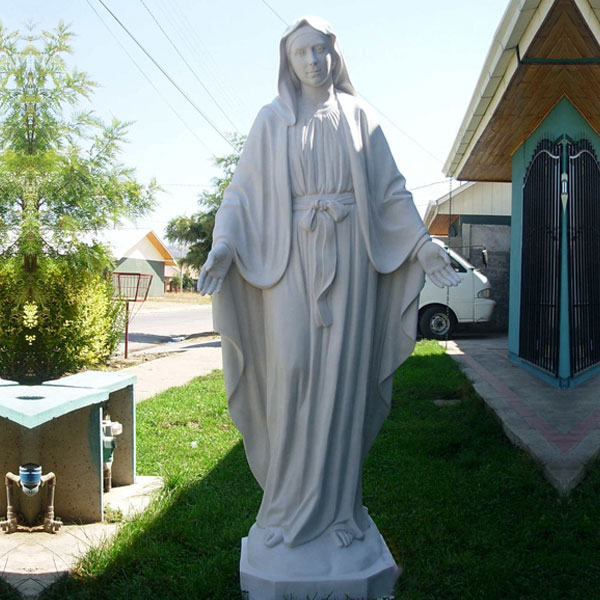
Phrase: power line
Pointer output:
(187, 64)
(412, 139)
(181, 25)
(275, 12)
(185, 123)
(158, 66)
(426, 185)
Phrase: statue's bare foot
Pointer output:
(343, 537)
(273, 537)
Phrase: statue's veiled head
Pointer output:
(316, 35)
(310, 57)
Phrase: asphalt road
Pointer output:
(167, 325)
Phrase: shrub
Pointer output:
(187, 283)
(64, 321)
(61, 183)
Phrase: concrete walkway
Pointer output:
(31, 561)
(186, 360)
(559, 428)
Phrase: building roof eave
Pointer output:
(162, 249)
(518, 27)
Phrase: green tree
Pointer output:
(187, 283)
(61, 182)
(196, 231)
(60, 175)
(176, 282)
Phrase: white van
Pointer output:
(441, 309)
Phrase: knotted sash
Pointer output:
(323, 211)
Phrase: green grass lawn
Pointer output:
(465, 513)
(7, 592)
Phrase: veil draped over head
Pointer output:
(287, 84)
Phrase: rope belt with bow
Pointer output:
(323, 211)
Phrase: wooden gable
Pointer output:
(536, 88)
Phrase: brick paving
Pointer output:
(559, 428)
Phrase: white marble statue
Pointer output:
(318, 258)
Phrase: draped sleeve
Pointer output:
(254, 218)
(391, 225)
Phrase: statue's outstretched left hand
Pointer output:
(436, 263)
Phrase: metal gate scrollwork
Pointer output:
(539, 336)
(584, 256)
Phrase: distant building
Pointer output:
(140, 251)
(178, 252)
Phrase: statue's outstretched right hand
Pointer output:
(214, 269)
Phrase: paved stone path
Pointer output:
(31, 561)
(560, 428)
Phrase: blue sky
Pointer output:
(417, 63)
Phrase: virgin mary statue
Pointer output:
(318, 259)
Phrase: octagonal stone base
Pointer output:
(376, 581)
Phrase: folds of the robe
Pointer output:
(256, 221)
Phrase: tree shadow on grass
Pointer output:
(187, 546)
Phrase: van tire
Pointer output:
(437, 322)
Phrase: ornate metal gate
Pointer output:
(584, 256)
(539, 338)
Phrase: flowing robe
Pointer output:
(309, 376)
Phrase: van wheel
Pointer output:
(435, 324)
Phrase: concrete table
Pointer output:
(120, 407)
(59, 425)
(59, 428)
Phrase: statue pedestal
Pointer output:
(318, 569)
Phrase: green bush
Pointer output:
(59, 319)
(187, 283)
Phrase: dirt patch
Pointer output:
(117, 363)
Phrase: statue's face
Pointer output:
(310, 58)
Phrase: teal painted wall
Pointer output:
(153, 267)
(564, 119)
